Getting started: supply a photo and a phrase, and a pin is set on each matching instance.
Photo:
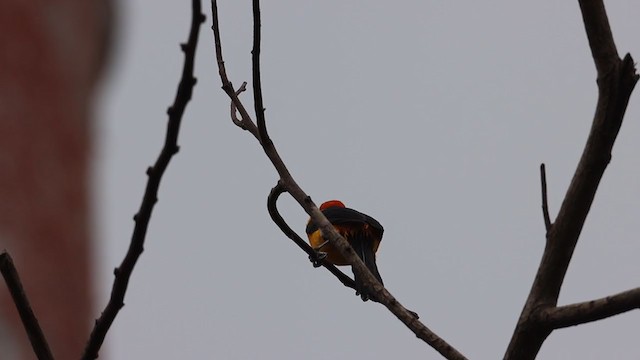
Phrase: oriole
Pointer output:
(363, 233)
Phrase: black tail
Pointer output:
(364, 248)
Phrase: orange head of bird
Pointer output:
(331, 203)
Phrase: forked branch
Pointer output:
(289, 185)
(545, 201)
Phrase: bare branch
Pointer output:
(375, 289)
(588, 311)
(257, 82)
(545, 203)
(285, 177)
(227, 86)
(234, 118)
(154, 173)
(596, 24)
(616, 80)
(31, 326)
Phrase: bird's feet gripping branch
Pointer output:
(363, 233)
(317, 257)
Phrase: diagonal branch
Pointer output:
(154, 173)
(31, 326)
(588, 311)
(616, 80)
(376, 289)
(234, 110)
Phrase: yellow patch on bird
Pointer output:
(316, 241)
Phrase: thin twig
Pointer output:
(376, 289)
(154, 173)
(545, 204)
(227, 86)
(257, 82)
(29, 320)
(588, 311)
(234, 109)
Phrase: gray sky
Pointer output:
(431, 116)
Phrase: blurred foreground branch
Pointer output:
(154, 173)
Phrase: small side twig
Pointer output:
(234, 110)
(588, 311)
(545, 203)
(154, 173)
(227, 86)
(29, 320)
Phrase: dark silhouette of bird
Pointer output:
(363, 233)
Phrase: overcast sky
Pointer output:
(431, 116)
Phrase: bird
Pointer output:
(363, 233)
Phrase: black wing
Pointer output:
(339, 216)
